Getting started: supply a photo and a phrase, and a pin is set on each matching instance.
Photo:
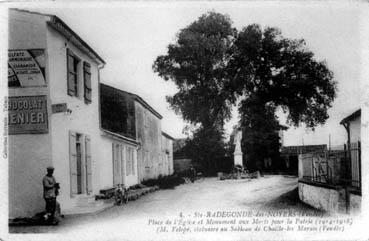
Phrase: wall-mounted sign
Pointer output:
(58, 108)
(27, 115)
(26, 67)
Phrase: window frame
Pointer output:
(87, 81)
(75, 72)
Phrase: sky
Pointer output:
(130, 35)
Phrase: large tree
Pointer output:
(197, 63)
(213, 65)
(271, 71)
(282, 72)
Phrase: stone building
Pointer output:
(53, 79)
(127, 116)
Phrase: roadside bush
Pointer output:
(166, 182)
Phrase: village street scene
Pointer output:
(126, 120)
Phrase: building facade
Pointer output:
(127, 117)
(53, 79)
(118, 138)
(352, 124)
(167, 166)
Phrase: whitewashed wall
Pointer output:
(355, 128)
(29, 154)
(106, 160)
(83, 119)
(148, 131)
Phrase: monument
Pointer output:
(237, 155)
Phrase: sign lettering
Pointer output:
(26, 67)
(27, 115)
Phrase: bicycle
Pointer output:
(120, 194)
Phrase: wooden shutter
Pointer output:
(128, 167)
(70, 70)
(116, 172)
(73, 163)
(87, 81)
(122, 159)
(134, 163)
(88, 164)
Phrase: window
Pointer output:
(87, 81)
(130, 163)
(72, 73)
(80, 163)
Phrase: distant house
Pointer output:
(133, 139)
(166, 166)
(352, 124)
(290, 155)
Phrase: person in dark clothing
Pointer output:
(192, 174)
(50, 189)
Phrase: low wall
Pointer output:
(327, 197)
(355, 203)
(319, 197)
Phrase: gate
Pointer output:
(339, 169)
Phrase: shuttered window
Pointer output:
(122, 163)
(133, 161)
(78, 178)
(130, 162)
(88, 164)
(72, 73)
(116, 164)
(87, 82)
(73, 163)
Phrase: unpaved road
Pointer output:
(130, 221)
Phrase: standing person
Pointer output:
(192, 173)
(49, 184)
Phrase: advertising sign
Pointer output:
(27, 115)
(58, 108)
(26, 67)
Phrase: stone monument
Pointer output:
(237, 155)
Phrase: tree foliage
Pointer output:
(207, 147)
(270, 72)
(260, 131)
(282, 72)
(213, 65)
(197, 64)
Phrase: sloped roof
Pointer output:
(167, 136)
(351, 117)
(62, 28)
(303, 149)
(137, 98)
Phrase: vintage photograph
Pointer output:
(202, 120)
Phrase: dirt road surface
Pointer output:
(132, 221)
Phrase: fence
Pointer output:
(354, 164)
(339, 167)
